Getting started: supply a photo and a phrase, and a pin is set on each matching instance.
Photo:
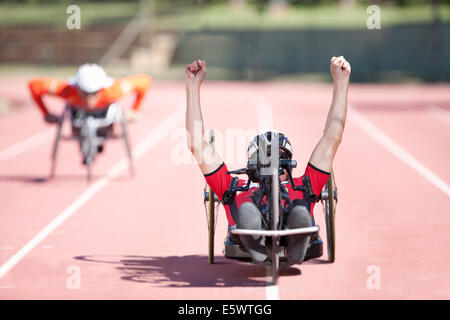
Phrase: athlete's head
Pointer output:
(89, 80)
(263, 144)
(264, 140)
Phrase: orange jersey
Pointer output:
(138, 84)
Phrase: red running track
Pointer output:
(146, 237)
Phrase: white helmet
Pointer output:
(91, 78)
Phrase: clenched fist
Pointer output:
(340, 69)
(195, 72)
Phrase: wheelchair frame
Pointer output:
(88, 139)
(328, 198)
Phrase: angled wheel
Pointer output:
(89, 159)
(330, 210)
(88, 146)
(56, 144)
(211, 212)
(211, 220)
(128, 148)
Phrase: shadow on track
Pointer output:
(24, 179)
(315, 261)
(46, 179)
(188, 271)
(58, 178)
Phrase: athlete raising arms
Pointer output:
(242, 211)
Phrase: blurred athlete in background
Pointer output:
(91, 91)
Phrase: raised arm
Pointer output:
(324, 152)
(46, 86)
(138, 84)
(207, 159)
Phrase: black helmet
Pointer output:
(266, 139)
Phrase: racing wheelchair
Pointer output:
(91, 129)
(273, 190)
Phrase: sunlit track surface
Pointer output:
(146, 237)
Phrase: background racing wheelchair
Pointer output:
(91, 129)
(278, 201)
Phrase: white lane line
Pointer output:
(154, 137)
(439, 113)
(385, 141)
(265, 123)
(27, 144)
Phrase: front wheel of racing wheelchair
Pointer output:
(232, 250)
(91, 129)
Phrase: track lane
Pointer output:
(361, 167)
(181, 255)
(45, 197)
(125, 250)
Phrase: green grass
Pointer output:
(55, 14)
(318, 17)
(221, 16)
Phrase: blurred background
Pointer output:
(251, 40)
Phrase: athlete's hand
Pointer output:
(340, 69)
(51, 118)
(195, 72)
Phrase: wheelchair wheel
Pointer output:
(89, 171)
(128, 148)
(56, 144)
(87, 148)
(89, 159)
(211, 212)
(330, 210)
(211, 222)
